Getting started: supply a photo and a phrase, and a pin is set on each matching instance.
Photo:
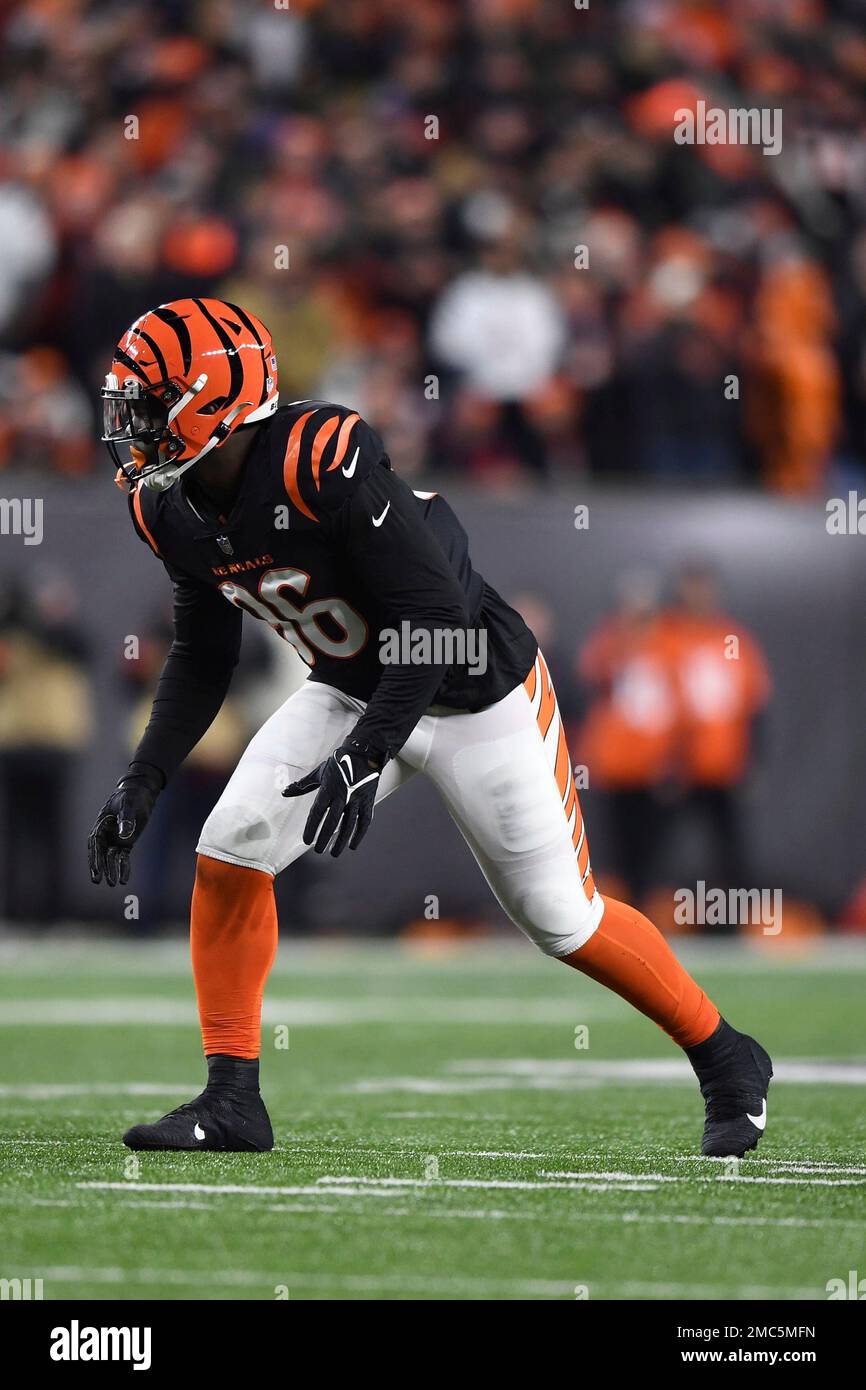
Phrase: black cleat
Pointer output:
(229, 1116)
(734, 1072)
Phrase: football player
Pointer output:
(293, 514)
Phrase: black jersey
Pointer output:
(371, 582)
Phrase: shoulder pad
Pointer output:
(329, 450)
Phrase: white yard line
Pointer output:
(358, 1184)
(533, 1074)
(809, 1223)
(414, 1212)
(168, 1206)
(638, 1289)
(816, 1071)
(801, 1180)
(407, 1283)
(476, 1117)
(582, 1217)
(781, 1166)
(268, 1281)
(614, 1179)
(424, 1149)
(434, 1086)
(406, 1011)
(362, 1186)
(67, 947)
(612, 1176)
(61, 1090)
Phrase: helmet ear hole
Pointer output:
(211, 408)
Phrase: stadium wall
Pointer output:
(796, 587)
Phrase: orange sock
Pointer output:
(630, 956)
(233, 937)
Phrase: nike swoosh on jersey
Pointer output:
(377, 520)
(347, 472)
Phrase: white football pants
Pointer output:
(504, 774)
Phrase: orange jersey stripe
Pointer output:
(139, 516)
(290, 465)
(343, 441)
(323, 434)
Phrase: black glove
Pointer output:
(121, 821)
(347, 783)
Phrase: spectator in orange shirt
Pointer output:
(723, 688)
(628, 739)
(795, 388)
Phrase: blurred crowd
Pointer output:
(401, 192)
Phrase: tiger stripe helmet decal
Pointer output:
(183, 378)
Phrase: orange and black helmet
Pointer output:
(182, 379)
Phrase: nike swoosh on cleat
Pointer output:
(347, 472)
(198, 1132)
(377, 520)
(759, 1121)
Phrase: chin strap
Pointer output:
(163, 478)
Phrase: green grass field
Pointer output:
(438, 1133)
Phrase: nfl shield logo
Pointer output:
(225, 545)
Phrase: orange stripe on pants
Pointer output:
(548, 710)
